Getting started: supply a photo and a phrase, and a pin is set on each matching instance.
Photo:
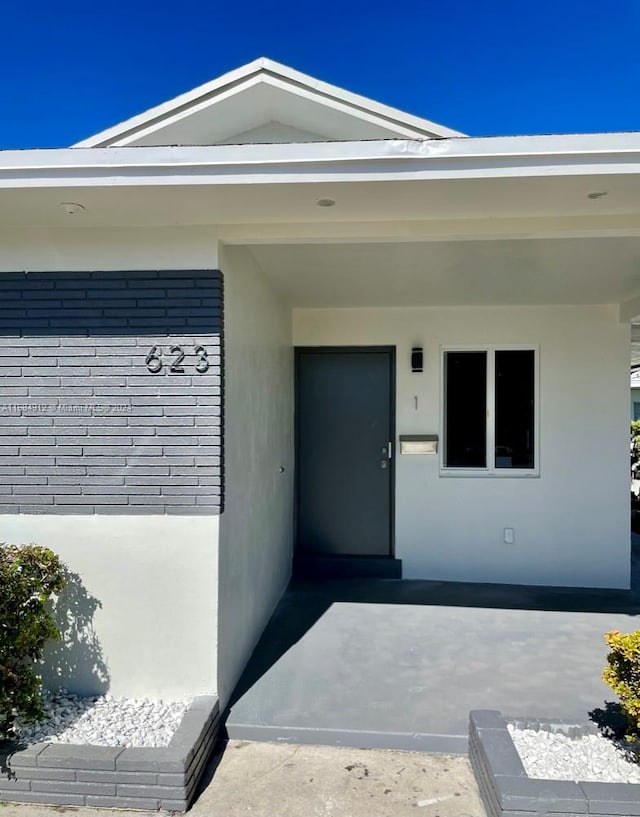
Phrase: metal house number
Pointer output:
(155, 362)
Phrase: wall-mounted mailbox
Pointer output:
(418, 443)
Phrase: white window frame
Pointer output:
(491, 470)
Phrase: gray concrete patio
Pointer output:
(399, 664)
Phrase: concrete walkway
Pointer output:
(319, 781)
(399, 664)
(269, 780)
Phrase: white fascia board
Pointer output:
(111, 135)
(398, 159)
(161, 115)
(174, 114)
(404, 125)
(394, 115)
(129, 139)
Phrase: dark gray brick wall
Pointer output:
(85, 426)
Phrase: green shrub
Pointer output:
(29, 575)
(623, 676)
(635, 447)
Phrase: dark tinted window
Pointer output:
(515, 377)
(465, 409)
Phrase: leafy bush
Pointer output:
(635, 448)
(623, 676)
(29, 575)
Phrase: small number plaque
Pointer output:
(155, 362)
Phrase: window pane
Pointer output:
(514, 409)
(465, 409)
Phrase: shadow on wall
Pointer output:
(76, 661)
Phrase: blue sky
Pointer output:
(69, 69)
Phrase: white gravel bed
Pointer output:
(105, 721)
(555, 756)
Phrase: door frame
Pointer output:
(391, 351)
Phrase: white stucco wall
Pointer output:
(154, 577)
(154, 628)
(114, 248)
(256, 526)
(572, 522)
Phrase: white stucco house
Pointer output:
(220, 319)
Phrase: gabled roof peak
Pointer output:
(263, 93)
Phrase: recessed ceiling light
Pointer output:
(325, 202)
(71, 208)
(597, 194)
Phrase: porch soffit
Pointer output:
(525, 272)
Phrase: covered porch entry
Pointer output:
(510, 492)
(482, 618)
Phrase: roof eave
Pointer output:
(397, 159)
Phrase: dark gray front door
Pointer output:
(344, 465)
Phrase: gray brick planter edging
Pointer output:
(115, 777)
(507, 791)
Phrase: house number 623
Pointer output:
(155, 362)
